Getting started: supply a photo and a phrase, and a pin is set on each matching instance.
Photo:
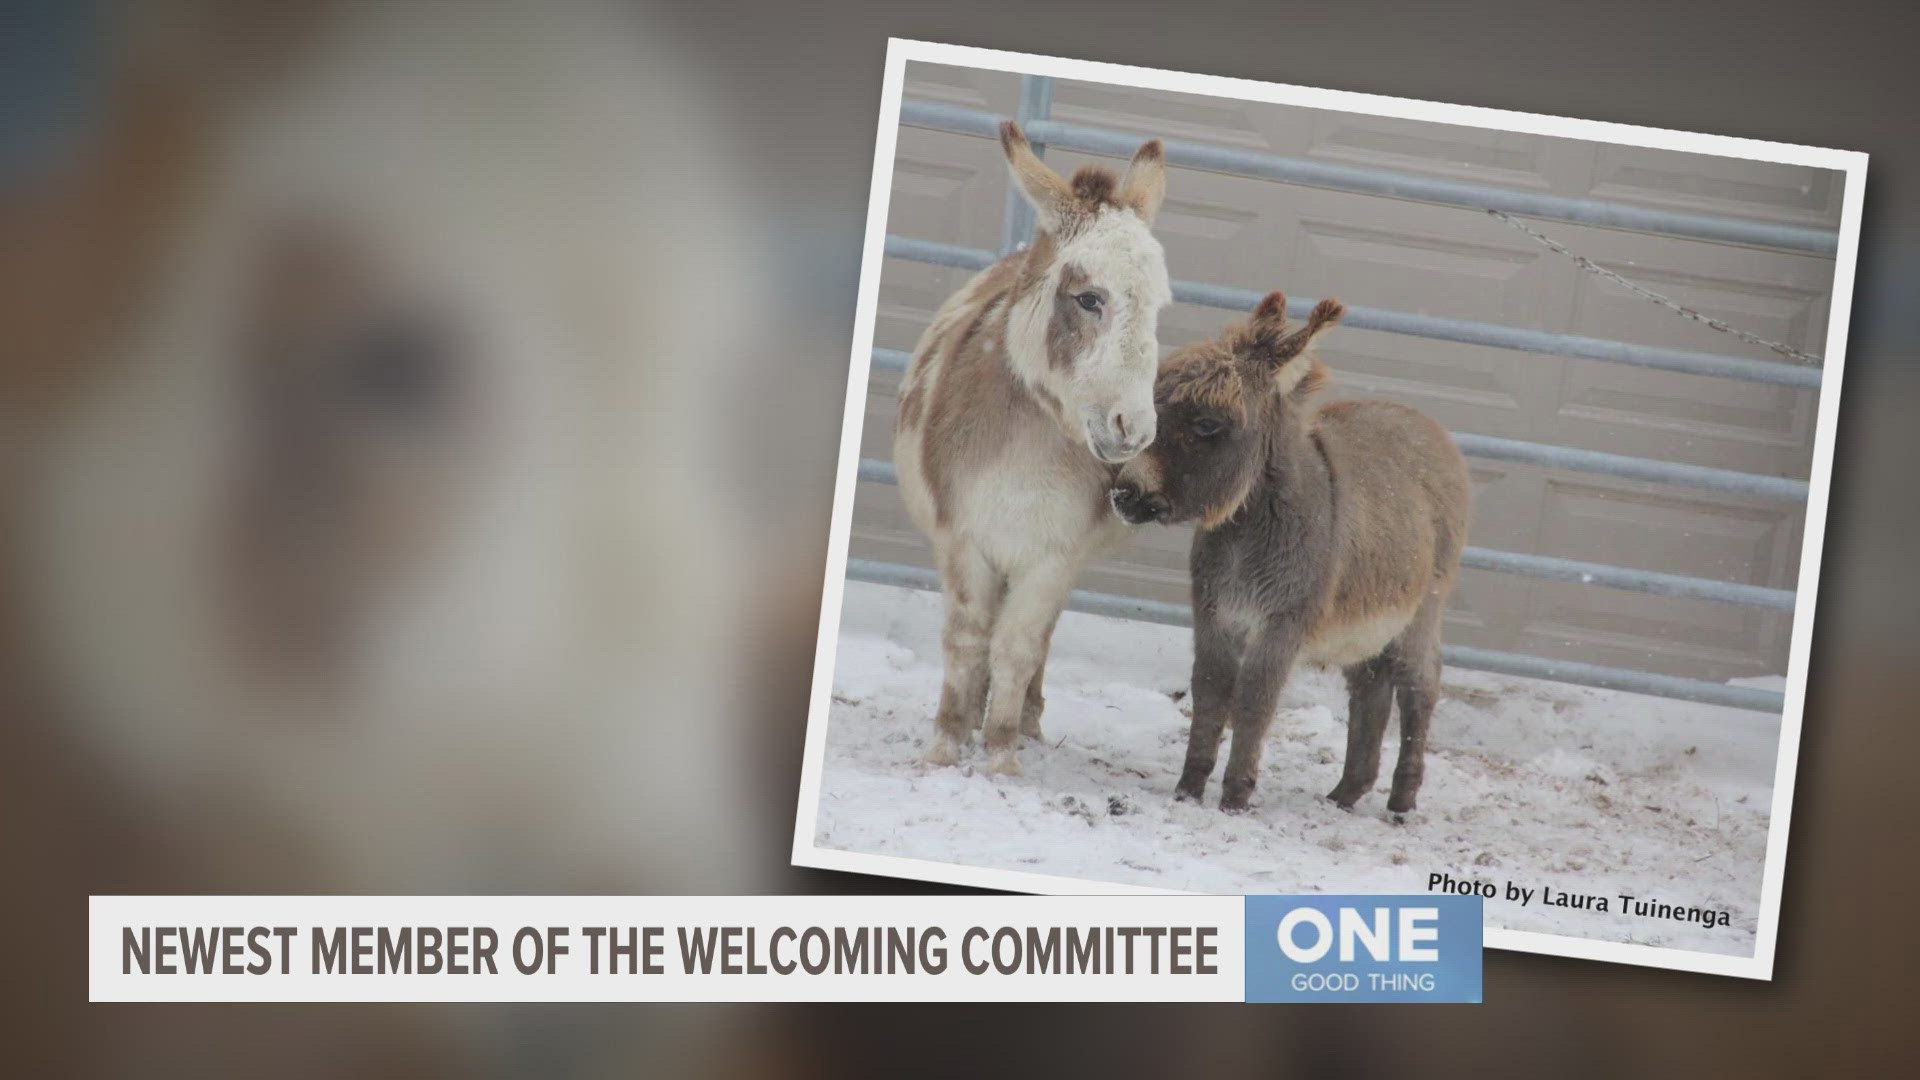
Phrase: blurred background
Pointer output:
(417, 428)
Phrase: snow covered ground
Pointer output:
(1530, 782)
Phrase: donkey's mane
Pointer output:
(1230, 380)
(1307, 390)
(1211, 379)
(1096, 187)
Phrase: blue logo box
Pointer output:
(1363, 948)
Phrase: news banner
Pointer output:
(1360, 948)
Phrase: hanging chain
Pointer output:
(1680, 309)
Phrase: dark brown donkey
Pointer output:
(1331, 533)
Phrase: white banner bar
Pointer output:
(666, 948)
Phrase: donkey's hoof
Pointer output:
(945, 754)
(1234, 797)
(1005, 763)
(1346, 795)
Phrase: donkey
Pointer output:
(1332, 533)
(1032, 384)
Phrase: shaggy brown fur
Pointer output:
(1331, 533)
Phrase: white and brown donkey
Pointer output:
(1031, 385)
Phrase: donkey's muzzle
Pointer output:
(1118, 451)
(1137, 507)
(1118, 437)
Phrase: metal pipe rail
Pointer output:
(1435, 327)
(1783, 488)
(1461, 656)
(1550, 567)
(1563, 457)
(1371, 181)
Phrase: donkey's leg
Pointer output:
(1418, 676)
(1034, 597)
(973, 594)
(1216, 665)
(1256, 693)
(1036, 701)
(1370, 686)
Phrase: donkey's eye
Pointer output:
(1207, 427)
(1089, 300)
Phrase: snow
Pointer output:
(1530, 782)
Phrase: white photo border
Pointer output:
(900, 51)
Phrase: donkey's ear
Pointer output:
(1051, 196)
(1260, 335)
(1270, 314)
(1146, 181)
(1295, 372)
(1319, 321)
